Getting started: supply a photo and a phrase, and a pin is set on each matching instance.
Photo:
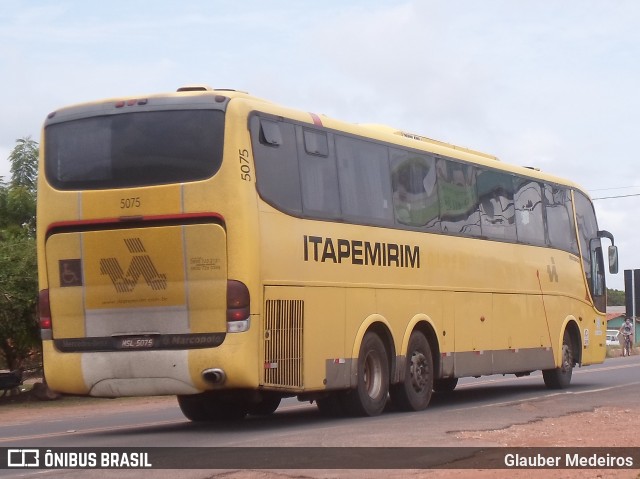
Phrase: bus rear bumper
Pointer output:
(137, 373)
(145, 373)
(141, 387)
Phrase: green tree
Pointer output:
(615, 297)
(18, 198)
(19, 331)
(24, 164)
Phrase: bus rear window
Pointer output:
(134, 149)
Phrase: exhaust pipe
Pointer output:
(214, 376)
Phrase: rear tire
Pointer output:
(193, 408)
(445, 385)
(210, 407)
(266, 406)
(560, 378)
(370, 395)
(331, 405)
(414, 392)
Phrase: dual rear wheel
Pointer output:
(370, 394)
(369, 397)
(414, 393)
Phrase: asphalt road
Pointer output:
(484, 403)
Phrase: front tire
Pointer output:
(414, 392)
(560, 378)
(370, 395)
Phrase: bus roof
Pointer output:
(378, 132)
(393, 135)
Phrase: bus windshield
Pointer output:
(134, 149)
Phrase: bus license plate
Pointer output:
(136, 343)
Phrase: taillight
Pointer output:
(238, 306)
(44, 309)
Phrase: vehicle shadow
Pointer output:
(292, 415)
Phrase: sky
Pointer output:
(547, 84)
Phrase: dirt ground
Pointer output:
(599, 428)
(588, 429)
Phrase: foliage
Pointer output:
(19, 334)
(615, 297)
(24, 165)
(19, 330)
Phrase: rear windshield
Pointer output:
(134, 149)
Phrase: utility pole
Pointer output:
(632, 298)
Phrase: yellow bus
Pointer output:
(232, 252)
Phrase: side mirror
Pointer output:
(613, 259)
(613, 251)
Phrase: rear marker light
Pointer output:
(44, 309)
(132, 102)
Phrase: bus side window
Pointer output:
(598, 285)
(497, 212)
(318, 174)
(528, 209)
(587, 231)
(559, 211)
(316, 142)
(270, 133)
(365, 183)
(415, 196)
(598, 270)
(459, 211)
(276, 159)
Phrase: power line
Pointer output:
(611, 197)
(613, 188)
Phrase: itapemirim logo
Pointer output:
(140, 265)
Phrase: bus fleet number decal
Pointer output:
(245, 169)
(128, 203)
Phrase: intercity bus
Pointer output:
(233, 252)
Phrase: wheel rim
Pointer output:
(419, 371)
(372, 376)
